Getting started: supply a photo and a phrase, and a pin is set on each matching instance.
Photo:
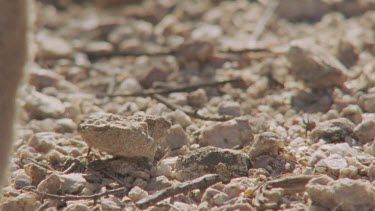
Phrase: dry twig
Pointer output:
(75, 197)
(199, 183)
(178, 89)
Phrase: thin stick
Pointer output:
(74, 197)
(263, 21)
(199, 183)
(190, 113)
(178, 89)
(97, 55)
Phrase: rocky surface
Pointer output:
(294, 132)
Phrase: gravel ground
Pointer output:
(197, 105)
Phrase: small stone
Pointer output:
(110, 204)
(77, 207)
(331, 165)
(367, 102)
(72, 183)
(230, 109)
(315, 67)
(179, 117)
(41, 106)
(300, 10)
(52, 184)
(176, 137)
(129, 85)
(135, 136)
(266, 143)
(36, 173)
(197, 98)
(98, 47)
(52, 47)
(44, 142)
(24, 201)
(345, 193)
(353, 113)
(227, 134)
(21, 181)
(158, 183)
(137, 194)
(149, 77)
(365, 131)
(192, 50)
(236, 187)
(65, 125)
(347, 53)
(214, 197)
(41, 78)
(349, 172)
(333, 131)
(212, 160)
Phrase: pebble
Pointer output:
(353, 113)
(22, 180)
(41, 78)
(204, 160)
(179, 117)
(347, 53)
(367, 102)
(44, 141)
(300, 10)
(158, 183)
(197, 98)
(137, 193)
(347, 194)
(72, 183)
(110, 204)
(227, 134)
(365, 131)
(333, 131)
(176, 137)
(77, 207)
(52, 184)
(214, 197)
(65, 125)
(24, 201)
(315, 67)
(129, 85)
(149, 77)
(136, 136)
(266, 143)
(331, 165)
(36, 173)
(230, 108)
(41, 106)
(98, 47)
(192, 50)
(51, 47)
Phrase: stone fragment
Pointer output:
(149, 77)
(24, 201)
(225, 162)
(72, 183)
(179, 117)
(198, 98)
(367, 102)
(77, 207)
(331, 165)
(41, 106)
(353, 113)
(193, 50)
(158, 183)
(346, 194)
(135, 136)
(316, 67)
(227, 134)
(365, 131)
(230, 108)
(98, 47)
(44, 141)
(41, 78)
(346, 53)
(214, 197)
(36, 173)
(65, 125)
(266, 143)
(52, 184)
(111, 203)
(137, 194)
(52, 47)
(22, 180)
(300, 10)
(333, 131)
(129, 85)
(176, 137)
